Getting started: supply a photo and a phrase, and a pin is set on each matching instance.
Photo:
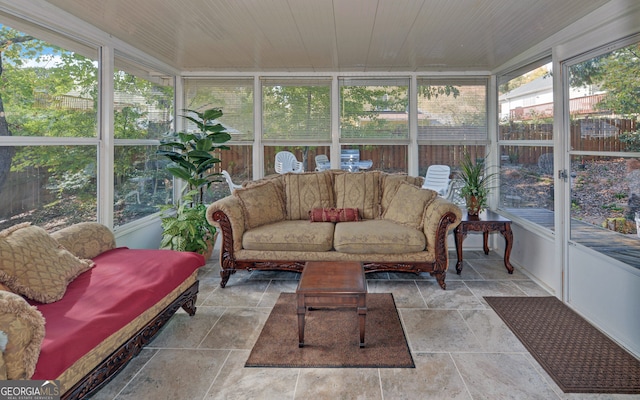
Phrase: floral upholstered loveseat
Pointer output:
(76, 308)
(384, 220)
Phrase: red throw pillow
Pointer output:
(334, 215)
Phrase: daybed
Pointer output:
(76, 309)
(384, 220)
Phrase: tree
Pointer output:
(11, 42)
(617, 72)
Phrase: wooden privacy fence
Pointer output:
(586, 135)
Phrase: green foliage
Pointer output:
(615, 72)
(631, 140)
(192, 154)
(185, 227)
(476, 181)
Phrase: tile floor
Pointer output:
(461, 348)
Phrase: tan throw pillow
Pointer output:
(86, 239)
(33, 264)
(390, 184)
(305, 192)
(408, 205)
(261, 203)
(359, 190)
(24, 326)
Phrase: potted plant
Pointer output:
(192, 155)
(476, 183)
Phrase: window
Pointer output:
(48, 89)
(143, 112)
(296, 110)
(374, 110)
(235, 97)
(605, 148)
(452, 109)
(525, 143)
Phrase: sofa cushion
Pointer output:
(33, 264)
(290, 236)
(334, 214)
(389, 185)
(304, 192)
(261, 203)
(408, 205)
(123, 284)
(377, 237)
(359, 190)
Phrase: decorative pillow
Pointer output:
(33, 264)
(334, 215)
(85, 239)
(408, 205)
(23, 325)
(390, 183)
(359, 190)
(305, 192)
(261, 204)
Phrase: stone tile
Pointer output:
(184, 331)
(531, 288)
(338, 383)
(479, 254)
(269, 275)
(121, 380)
(377, 275)
(457, 296)
(273, 291)
(434, 377)
(501, 376)
(247, 294)
(492, 333)
(176, 374)
(405, 293)
(468, 272)
(490, 269)
(237, 328)
(493, 288)
(437, 331)
(236, 382)
(205, 288)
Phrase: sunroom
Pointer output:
(545, 94)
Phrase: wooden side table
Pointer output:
(332, 284)
(488, 221)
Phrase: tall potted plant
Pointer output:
(192, 155)
(476, 184)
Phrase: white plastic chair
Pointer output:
(322, 162)
(227, 177)
(287, 162)
(437, 179)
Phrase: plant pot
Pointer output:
(473, 205)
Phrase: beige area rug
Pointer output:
(332, 337)
(578, 357)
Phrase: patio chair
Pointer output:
(287, 162)
(227, 177)
(322, 162)
(437, 179)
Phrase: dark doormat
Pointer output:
(579, 357)
(332, 337)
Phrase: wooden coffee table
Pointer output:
(332, 284)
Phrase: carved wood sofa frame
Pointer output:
(116, 362)
(229, 265)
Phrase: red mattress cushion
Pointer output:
(122, 285)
